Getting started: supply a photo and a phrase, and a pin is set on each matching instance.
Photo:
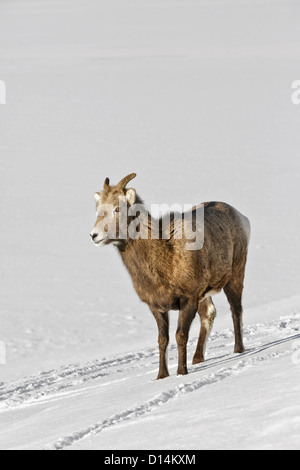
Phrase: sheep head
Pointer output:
(109, 204)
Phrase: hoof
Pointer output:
(162, 375)
(182, 371)
(239, 349)
(197, 360)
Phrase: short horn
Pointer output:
(106, 183)
(125, 181)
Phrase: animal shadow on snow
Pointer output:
(232, 357)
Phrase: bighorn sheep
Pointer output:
(168, 276)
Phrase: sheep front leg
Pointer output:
(186, 316)
(162, 320)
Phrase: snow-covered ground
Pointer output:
(230, 401)
(195, 97)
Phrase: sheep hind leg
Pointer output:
(233, 293)
(207, 313)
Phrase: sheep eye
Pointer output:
(117, 209)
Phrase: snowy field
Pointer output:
(195, 97)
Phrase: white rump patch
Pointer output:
(211, 293)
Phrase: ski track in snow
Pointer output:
(260, 337)
(16, 393)
(163, 398)
(20, 392)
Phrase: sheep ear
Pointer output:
(97, 197)
(130, 196)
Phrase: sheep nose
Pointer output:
(94, 235)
